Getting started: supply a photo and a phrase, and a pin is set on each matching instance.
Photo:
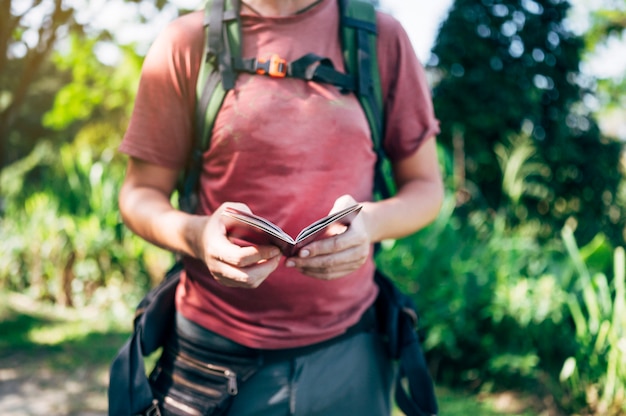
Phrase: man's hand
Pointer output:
(337, 256)
(230, 264)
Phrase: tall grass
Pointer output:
(596, 373)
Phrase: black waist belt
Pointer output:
(201, 336)
(367, 323)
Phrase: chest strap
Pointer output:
(309, 67)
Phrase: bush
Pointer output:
(65, 239)
(500, 307)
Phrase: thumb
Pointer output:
(342, 202)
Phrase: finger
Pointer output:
(243, 257)
(237, 205)
(249, 277)
(335, 244)
(344, 260)
(342, 202)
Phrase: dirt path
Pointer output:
(30, 386)
(54, 361)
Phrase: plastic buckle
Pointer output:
(275, 66)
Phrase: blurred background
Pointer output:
(520, 281)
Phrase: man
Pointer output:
(291, 151)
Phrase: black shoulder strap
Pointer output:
(397, 315)
(129, 392)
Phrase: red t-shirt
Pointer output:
(286, 147)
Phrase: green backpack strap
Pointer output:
(359, 34)
(215, 78)
(217, 75)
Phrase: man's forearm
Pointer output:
(415, 205)
(149, 214)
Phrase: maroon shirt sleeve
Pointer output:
(409, 114)
(161, 125)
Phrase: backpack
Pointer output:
(129, 390)
(222, 60)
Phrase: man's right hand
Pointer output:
(146, 209)
(230, 264)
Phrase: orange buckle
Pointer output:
(275, 66)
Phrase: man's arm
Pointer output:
(145, 206)
(415, 205)
(417, 202)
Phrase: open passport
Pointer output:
(253, 229)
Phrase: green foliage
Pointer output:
(516, 74)
(607, 21)
(27, 34)
(30, 33)
(453, 403)
(65, 239)
(502, 304)
(66, 242)
(596, 373)
(608, 29)
(96, 90)
(501, 308)
(519, 164)
(487, 294)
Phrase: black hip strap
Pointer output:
(367, 323)
(201, 336)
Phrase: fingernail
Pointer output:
(290, 263)
(304, 253)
